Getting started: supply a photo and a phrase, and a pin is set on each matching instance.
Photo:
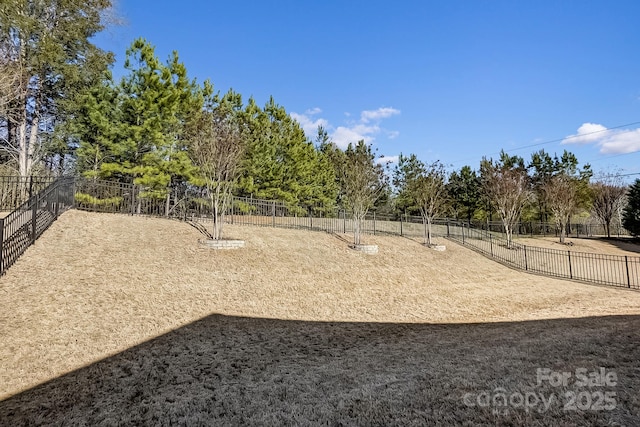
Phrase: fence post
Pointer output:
(34, 217)
(526, 264)
(1, 246)
(273, 213)
(310, 219)
(344, 221)
(374, 223)
(401, 225)
(570, 270)
(463, 233)
(133, 200)
(57, 201)
(491, 245)
(30, 186)
(626, 263)
(447, 228)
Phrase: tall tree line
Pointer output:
(62, 111)
(46, 61)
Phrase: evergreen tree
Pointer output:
(282, 164)
(406, 171)
(631, 213)
(464, 192)
(133, 131)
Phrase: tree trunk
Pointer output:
(23, 154)
(356, 229)
(216, 220)
(509, 235)
(563, 231)
(425, 232)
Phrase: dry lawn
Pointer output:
(615, 246)
(113, 320)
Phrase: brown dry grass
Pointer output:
(614, 246)
(99, 286)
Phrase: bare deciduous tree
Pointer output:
(608, 199)
(560, 195)
(362, 183)
(507, 186)
(217, 147)
(429, 189)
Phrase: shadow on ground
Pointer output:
(225, 370)
(625, 243)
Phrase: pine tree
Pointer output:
(464, 192)
(282, 164)
(631, 213)
(133, 131)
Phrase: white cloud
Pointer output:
(364, 129)
(587, 133)
(621, 142)
(375, 115)
(610, 141)
(343, 136)
(309, 125)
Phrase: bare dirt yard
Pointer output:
(114, 319)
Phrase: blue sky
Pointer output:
(448, 80)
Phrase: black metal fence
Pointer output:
(29, 220)
(191, 203)
(588, 228)
(25, 224)
(15, 190)
(613, 270)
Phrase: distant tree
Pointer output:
(362, 182)
(464, 192)
(562, 188)
(631, 213)
(46, 47)
(421, 188)
(608, 198)
(405, 172)
(507, 185)
(542, 168)
(561, 197)
(282, 163)
(428, 189)
(216, 148)
(133, 131)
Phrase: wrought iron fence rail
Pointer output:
(612, 270)
(29, 220)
